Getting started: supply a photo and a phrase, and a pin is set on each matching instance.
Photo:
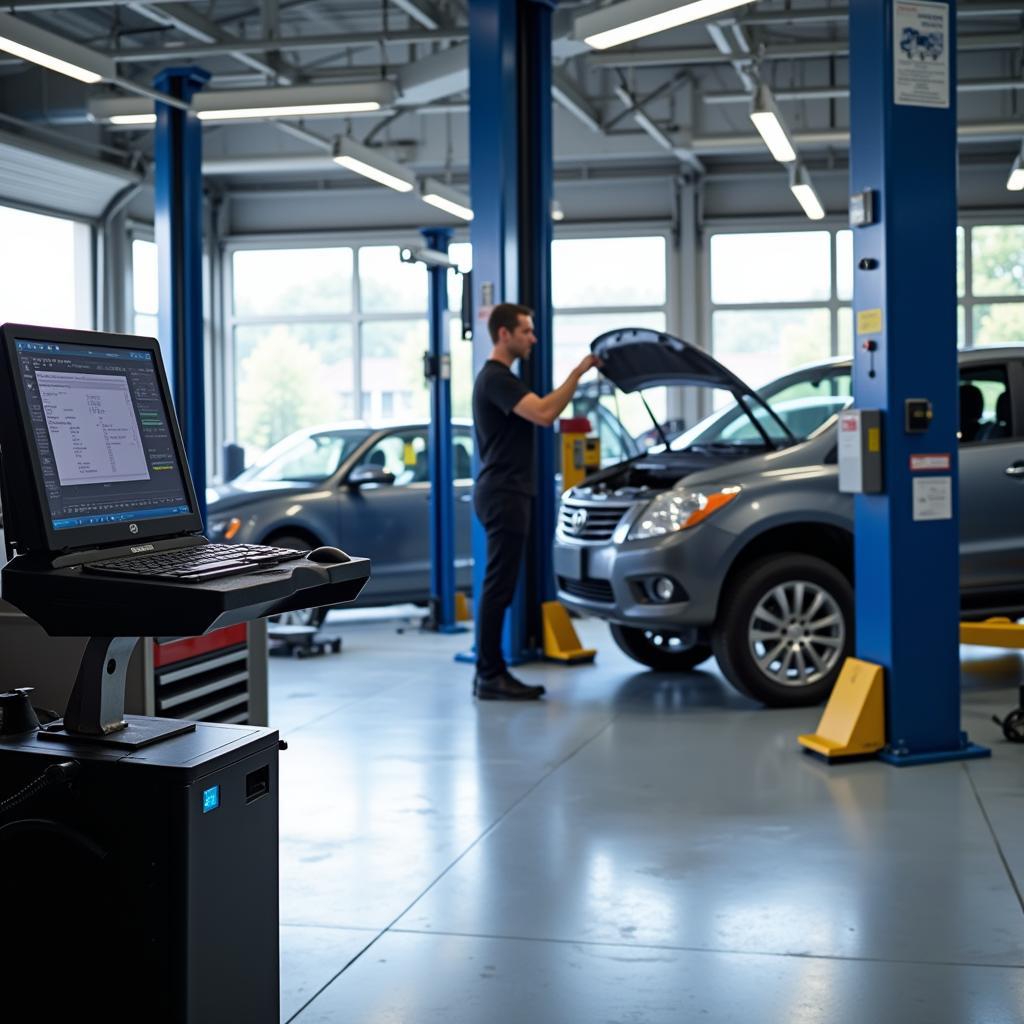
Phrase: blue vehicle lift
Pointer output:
(511, 184)
(179, 240)
(903, 161)
(440, 451)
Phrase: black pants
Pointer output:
(506, 522)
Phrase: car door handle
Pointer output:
(1015, 469)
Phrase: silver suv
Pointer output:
(734, 539)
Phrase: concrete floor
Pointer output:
(636, 848)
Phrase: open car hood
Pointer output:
(635, 358)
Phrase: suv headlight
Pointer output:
(679, 510)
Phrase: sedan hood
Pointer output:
(634, 358)
(240, 492)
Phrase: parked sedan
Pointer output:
(726, 540)
(360, 488)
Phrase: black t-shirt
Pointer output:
(503, 439)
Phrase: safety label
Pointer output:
(929, 463)
(933, 497)
(920, 54)
(869, 321)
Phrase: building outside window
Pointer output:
(782, 299)
(46, 274)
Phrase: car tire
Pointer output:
(657, 649)
(303, 616)
(784, 629)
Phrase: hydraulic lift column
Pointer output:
(903, 171)
(179, 241)
(510, 178)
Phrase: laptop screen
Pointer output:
(103, 435)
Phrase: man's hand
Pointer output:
(588, 362)
(544, 411)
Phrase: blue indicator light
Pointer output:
(211, 799)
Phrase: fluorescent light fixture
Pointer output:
(446, 198)
(801, 187)
(251, 104)
(769, 124)
(1015, 182)
(292, 101)
(557, 213)
(634, 19)
(372, 164)
(29, 42)
(133, 119)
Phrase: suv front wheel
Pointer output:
(784, 629)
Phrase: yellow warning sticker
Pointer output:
(869, 321)
(874, 439)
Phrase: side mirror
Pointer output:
(370, 473)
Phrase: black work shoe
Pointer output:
(516, 681)
(504, 687)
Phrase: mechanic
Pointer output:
(505, 412)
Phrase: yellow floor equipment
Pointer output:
(853, 724)
(560, 640)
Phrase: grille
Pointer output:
(588, 590)
(600, 522)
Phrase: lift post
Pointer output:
(438, 368)
(903, 173)
(511, 183)
(179, 240)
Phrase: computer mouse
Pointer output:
(328, 556)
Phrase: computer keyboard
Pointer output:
(196, 564)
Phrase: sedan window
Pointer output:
(312, 457)
(984, 399)
(403, 455)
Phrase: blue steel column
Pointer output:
(907, 571)
(439, 445)
(179, 240)
(510, 179)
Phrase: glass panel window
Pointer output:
(291, 376)
(781, 266)
(462, 466)
(844, 345)
(306, 456)
(997, 259)
(392, 370)
(269, 282)
(462, 254)
(998, 323)
(961, 327)
(760, 344)
(45, 270)
(961, 273)
(403, 455)
(844, 265)
(145, 287)
(462, 371)
(387, 285)
(985, 413)
(608, 272)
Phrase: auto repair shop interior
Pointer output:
(773, 580)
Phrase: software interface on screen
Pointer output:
(100, 427)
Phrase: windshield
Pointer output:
(803, 402)
(310, 457)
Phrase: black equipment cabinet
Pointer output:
(145, 889)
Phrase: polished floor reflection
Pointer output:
(636, 848)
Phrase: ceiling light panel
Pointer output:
(372, 164)
(29, 42)
(444, 197)
(634, 19)
(764, 113)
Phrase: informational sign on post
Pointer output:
(933, 498)
(921, 54)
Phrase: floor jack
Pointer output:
(300, 641)
(1000, 632)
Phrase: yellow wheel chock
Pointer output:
(463, 613)
(560, 640)
(853, 724)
